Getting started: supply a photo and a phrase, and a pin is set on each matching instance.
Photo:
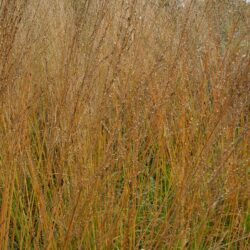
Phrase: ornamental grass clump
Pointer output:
(124, 124)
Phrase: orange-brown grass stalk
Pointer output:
(124, 124)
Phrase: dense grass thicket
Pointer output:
(124, 124)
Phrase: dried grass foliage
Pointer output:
(124, 124)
